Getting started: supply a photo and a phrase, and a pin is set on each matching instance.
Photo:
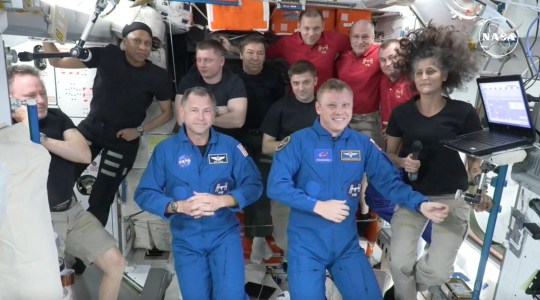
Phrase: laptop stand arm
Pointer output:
(473, 195)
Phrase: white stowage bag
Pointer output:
(124, 14)
(28, 255)
(3, 191)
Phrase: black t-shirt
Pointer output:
(442, 170)
(122, 92)
(61, 171)
(263, 90)
(287, 116)
(230, 87)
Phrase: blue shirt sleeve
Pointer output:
(382, 174)
(281, 186)
(150, 194)
(248, 180)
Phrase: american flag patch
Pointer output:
(242, 149)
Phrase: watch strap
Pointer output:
(140, 129)
(173, 206)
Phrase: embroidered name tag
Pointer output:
(350, 155)
(218, 159)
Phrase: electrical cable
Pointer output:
(537, 25)
(529, 55)
(172, 47)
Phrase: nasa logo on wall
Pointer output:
(497, 36)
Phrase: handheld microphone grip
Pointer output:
(416, 148)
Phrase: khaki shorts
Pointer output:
(81, 234)
(370, 125)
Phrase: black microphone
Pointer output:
(416, 148)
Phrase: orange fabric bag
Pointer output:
(346, 17)
(251, 15)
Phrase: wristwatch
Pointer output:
(140, 129)
(42, 137)
(173, 206)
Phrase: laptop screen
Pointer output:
(505, 102)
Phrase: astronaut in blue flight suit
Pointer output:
(317, 171)
(198, 179)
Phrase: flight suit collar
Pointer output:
(323, 132)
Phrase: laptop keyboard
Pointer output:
(482, 143)
(494, 139)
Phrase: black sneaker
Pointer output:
(389, 295)
(79, 267)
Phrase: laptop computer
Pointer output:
(508, 117)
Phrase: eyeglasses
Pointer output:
(139, 42)
(363, 37)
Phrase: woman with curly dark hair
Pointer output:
(438, 60)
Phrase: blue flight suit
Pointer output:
(208, 251)
(315, 166)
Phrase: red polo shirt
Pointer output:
(392, 95)
(363, 74)
(322, 55)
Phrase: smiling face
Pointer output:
(198, 113)
(428, 77)
(25, 87)
(253, 58)
(311, 29)
(303, 86)
(361, 36)
(335, 110)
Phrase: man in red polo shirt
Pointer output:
(360, 69)
(313, 44)
(394, 90)
(310, 43)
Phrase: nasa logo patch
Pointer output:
(184, 161)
